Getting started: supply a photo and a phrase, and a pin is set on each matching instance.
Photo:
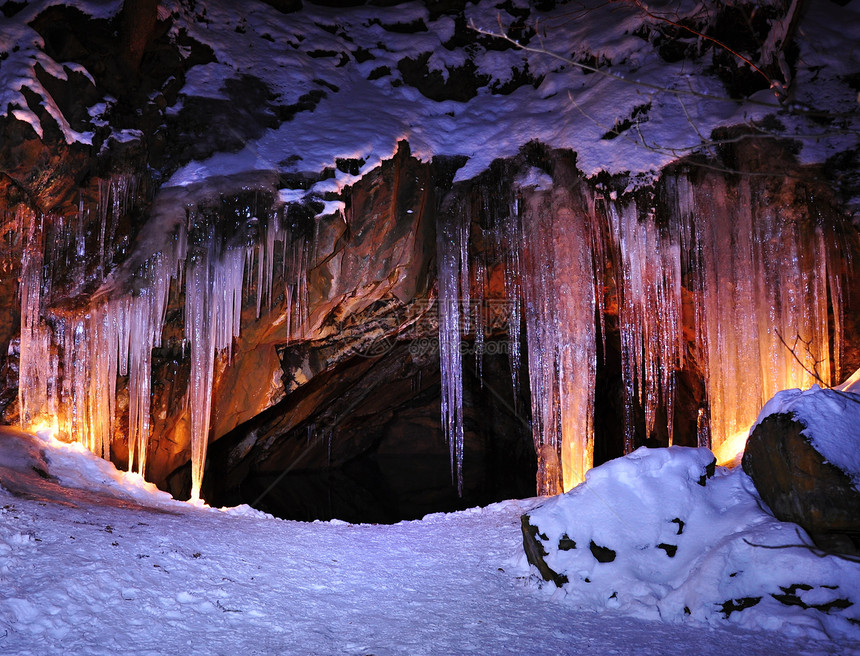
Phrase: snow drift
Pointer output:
(663, 534)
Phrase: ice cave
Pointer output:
(370, 261)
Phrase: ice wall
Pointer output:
(766, 279)
(736, 278)
(71, 357)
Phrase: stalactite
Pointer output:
(506, 243)
(762, 283)
(452, 244)
(559, 295)
(652, 346)
(70, 360)
(756, 276)
(36, 370)
(763, 277)
(214, 284)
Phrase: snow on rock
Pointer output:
(22, 50)
(832, 420)
(352, 82)
(852, 384)
(365, 79)
(20, 451)
(653, 535)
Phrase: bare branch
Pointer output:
(814, 371)
(795, 110)
(815, 551)
(772, 83)
(808, 347)
(653, 91)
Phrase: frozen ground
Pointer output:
(102, 564)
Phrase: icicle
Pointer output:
(262, 252)
(599, 256)
(213, 310)
(199, 330)
(479, 315)
(70, 364)
(649, 315)
(760, 284)
(451, 268)
(266, 261)
(507, 245)
(558, 286)
(35, 369)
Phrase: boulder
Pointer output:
(800, 486)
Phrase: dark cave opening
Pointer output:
(363, 442)
(372, 448)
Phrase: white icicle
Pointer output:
(760, 280)
(649, 314)
(451, 268)
(199, 329)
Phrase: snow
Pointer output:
(571, 107)
(832, 420)
(852, 384)
(318, 50)
(22, 50)
(107, 568)
(688, 547)
(95, 561)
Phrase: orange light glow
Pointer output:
(730, 450)
(45, 427)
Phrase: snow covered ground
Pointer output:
(93, 561)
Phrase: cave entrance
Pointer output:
(371, 447)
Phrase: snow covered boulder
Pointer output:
(617, 503)
(804, 457)
(664, 534)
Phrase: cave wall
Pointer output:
(370, 277)
(370, 269)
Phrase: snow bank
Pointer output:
(652, 535)
(73, 465)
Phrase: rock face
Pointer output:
(798, 485)
(366, 270)
(369, 269)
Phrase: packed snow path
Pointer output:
(83, 572)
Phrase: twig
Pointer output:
(816, 551)
(771, 82)
(793, 110)
(814, 372)
(793, 350)
(615, 76)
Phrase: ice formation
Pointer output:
(558, 281)
(756, 287)
(760, 285)
(652, 345)
(452, 257)
(70, 359)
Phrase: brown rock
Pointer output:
(798, 485)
